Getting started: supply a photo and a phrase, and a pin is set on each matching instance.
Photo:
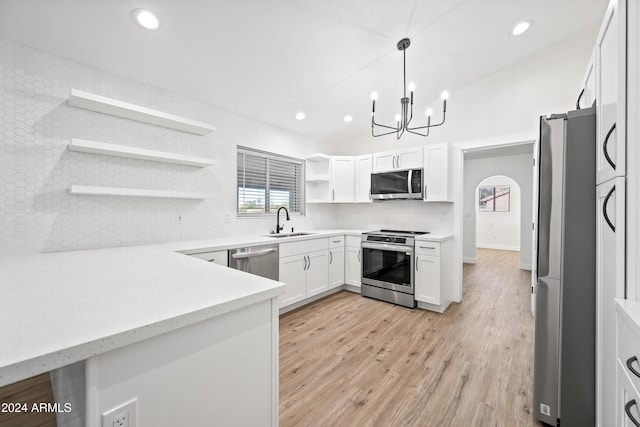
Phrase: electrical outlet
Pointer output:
(125, 415)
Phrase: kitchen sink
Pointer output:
(288, 234)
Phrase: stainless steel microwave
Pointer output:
(398, 184)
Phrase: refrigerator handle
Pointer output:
(627, 409)
(579, 98)
(604, 208)
(604, 147)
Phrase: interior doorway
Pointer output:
(498, 213)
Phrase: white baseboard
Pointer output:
(469, 260)
(525, 266)
(499, 247)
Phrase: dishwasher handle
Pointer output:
(243, 255)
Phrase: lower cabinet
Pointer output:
(336, 261)
(433, 281)
(627, 365)
(304, 267)
(352, 268)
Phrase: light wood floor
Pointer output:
(347, 360)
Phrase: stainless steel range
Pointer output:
(388, 258)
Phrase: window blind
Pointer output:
(267, 181)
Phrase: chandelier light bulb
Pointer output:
(397, 117)
(412, 87)
(444, 95)
(300, 116)
(429, 112)
(374, 95)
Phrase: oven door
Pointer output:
(388, 266)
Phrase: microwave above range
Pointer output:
(397, 185)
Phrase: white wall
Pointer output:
(499, 230)
(36, 124)
(519, 168)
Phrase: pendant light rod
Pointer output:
(406, 106)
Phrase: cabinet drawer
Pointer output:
(428, 248)
(303, 246)
(215, 257)
(628, 349)
(336, 242)
(627, 400)
(354, 241)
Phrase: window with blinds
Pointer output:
(267, 181)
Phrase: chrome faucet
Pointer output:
(278, 226)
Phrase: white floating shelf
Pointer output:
(318, 157)
(318, 178)
(95, 147)
(88, 190)
(102, 104)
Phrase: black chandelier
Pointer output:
(406, 114)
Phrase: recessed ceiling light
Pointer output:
(348, 118)
(145, 18)
(300, 116)
(522, 27)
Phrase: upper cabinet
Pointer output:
(318, 175)
(587, 95)
(343, 179)
(610, 95)
(363, 177)
(437, 173)
(405, 158)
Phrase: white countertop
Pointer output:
(63, 307)
(629, 311)
(434, 237)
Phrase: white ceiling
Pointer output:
(268, 59)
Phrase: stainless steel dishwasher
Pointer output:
(259, 260)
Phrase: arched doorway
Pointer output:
(498, 213)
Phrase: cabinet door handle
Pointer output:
(604, 208)
(330, 257)
(627, 409)
(333, 195)
(578, 100)
(427, 247)
(631, 368)
(359, 254)
(604, 147)
(425, 192)
(309, 259)
(336, 241)
(417, 259)
(305, 263)
(211, 260)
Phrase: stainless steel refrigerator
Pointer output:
(565, 300)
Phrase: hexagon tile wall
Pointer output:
(36, 169)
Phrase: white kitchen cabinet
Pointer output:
(353, 260)
(433, 278)
(405, 158)
(363, 177)
(304, 267)
(610, 241)
(318, 178)
(587, 94)
(437, 173)
(627, 365)
(336, 261)
(343, 179)
(214, 257)
(610, 94)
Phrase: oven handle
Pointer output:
(385, 247)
